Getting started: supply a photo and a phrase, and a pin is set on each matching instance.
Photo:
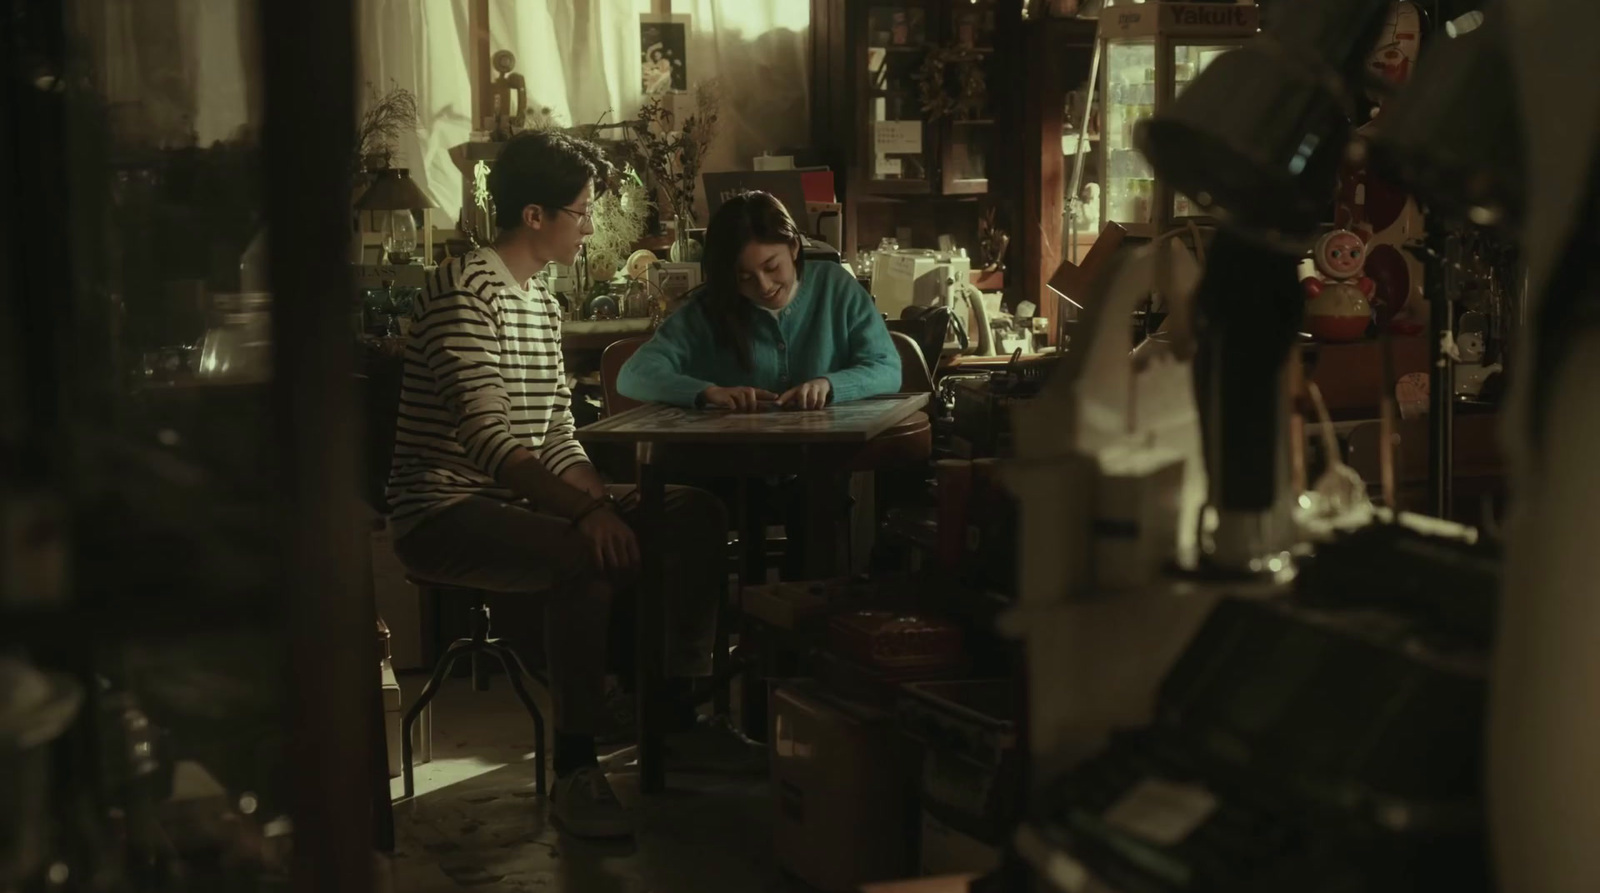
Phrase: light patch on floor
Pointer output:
(477, 825)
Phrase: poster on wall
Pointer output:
(663, 53)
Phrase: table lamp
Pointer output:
(1454, 135)
(1257, 138)
(395, 195)
(1256, 141)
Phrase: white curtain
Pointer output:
(581, 59)
(422, 45)
(174, 70)
(759, 50)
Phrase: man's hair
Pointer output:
(544, 168)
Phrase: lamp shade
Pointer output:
(393, 190)
(1257, 138)
(1255, 141)
(1453, 134)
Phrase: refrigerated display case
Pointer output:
(1152, 52)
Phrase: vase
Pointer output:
(685, 250)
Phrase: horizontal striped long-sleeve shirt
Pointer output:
(483, 374)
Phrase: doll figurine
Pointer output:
(1337, 305)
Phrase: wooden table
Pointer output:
(717, 442)
(952, 883)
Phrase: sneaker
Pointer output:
(583, 805)
(715, 747)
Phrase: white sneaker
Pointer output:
(583, 805)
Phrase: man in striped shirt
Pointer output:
(489, 487)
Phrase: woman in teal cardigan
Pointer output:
(766, 327)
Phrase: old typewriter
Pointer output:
(981, 402)
(1315, 749)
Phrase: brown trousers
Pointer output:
(505, 548)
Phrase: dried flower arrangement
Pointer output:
(970, 93)
(672, 153)
(619, 216)
(619, 222)
(388, 117)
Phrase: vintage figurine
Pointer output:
(1337, 301)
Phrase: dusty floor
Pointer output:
(477, 825)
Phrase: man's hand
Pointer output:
(810, 395)
(611, 541)
(583, 476)
(736, 399)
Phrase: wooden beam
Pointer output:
(1058, 53)
(478, 33)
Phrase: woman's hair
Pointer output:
(744, 218)
(543, 168)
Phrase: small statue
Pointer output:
(1337, 306)
(510, 92)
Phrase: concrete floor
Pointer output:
(477, 825)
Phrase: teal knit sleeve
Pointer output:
(873, 367)
(657, 372)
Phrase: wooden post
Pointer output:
(478, 33)
(1058, 53)
(306, 146)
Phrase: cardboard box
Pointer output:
(785, 605)
(840, 790)
(392, 715)
(399, 604)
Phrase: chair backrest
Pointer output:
(611, 361)
(928, 326)
(914, 375)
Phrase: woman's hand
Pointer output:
(810, 395)
(736, 399)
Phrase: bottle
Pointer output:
(253, 264)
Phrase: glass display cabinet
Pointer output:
(914, 54)
(1152, 52)
(189, 651)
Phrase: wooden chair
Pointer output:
(915, 376)
(611, 362)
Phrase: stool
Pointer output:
(476, 646)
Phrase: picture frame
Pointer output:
(663, 54)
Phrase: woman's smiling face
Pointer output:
(766, 273)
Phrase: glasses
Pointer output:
(584, 217)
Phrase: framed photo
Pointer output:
(663, 54)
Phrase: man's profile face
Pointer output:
(562, 232)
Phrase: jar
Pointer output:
(237, 345)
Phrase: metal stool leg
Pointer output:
(480, 637)
(515, 670)
(722, 696)
(383, 807)
(428, 691)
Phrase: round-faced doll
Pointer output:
(1337, 306)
